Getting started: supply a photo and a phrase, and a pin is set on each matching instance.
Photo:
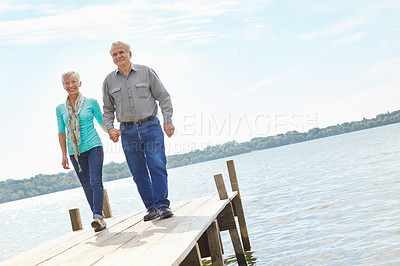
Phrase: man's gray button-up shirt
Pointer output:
(133, 97)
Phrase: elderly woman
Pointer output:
(84, 145)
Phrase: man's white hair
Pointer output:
(125, 44)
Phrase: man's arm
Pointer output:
(162, 96)
(108, 108)
(109, 114)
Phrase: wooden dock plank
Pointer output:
(58, 245)
(186, 234)
(172, 246)
(128, 239)
(77, 253)
(66, 242)
(147, 238)
(105, 242)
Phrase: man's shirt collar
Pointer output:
(132, 68)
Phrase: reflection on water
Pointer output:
(231, 260)
(329, 201)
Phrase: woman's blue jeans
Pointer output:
(144, 150)
(91, 178)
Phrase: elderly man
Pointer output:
(130, 93)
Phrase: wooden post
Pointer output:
(193, 258)
(203, 246)
(238, 206)
(232, 176)
(75, 217)
(106, 205)
(219, 181)
(215, 244)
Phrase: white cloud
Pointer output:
(385, 68)
(254, 87)
(335, 29)
(350, 38)
(343, 26)
(6, 6)
(87, 23)
(191, 21)
(255, 31)
(308, 36)
(391, 30)
(164, 22)
(198, 7)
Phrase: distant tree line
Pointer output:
(42, 184)
(12, 189)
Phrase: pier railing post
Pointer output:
(106, 205)
(75, 217)
(238, 206)
(233, 232)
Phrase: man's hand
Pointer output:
(169, 129)
(65, 162)
(114, 134)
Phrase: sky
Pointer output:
(235, 70)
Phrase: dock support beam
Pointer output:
(106, 205)
(238, 206)
(230, 219)
(215, 244)
(193, 258)
(75, 217)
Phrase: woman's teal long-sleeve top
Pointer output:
(89, 137)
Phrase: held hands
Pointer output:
(169, 129)
(65, 162)
(114, 134)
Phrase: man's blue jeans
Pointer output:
(91, 178)
(144, 150)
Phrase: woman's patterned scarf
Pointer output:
(73, 125)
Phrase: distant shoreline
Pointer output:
(41, 184)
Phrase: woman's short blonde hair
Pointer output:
(70, 73)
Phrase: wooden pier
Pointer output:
(191, 234)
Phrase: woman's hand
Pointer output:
(114, 134)
(62, 138)
(65, 162)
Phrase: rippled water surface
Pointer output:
(331, 201)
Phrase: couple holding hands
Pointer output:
(129, 93)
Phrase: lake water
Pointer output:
(332, 201)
